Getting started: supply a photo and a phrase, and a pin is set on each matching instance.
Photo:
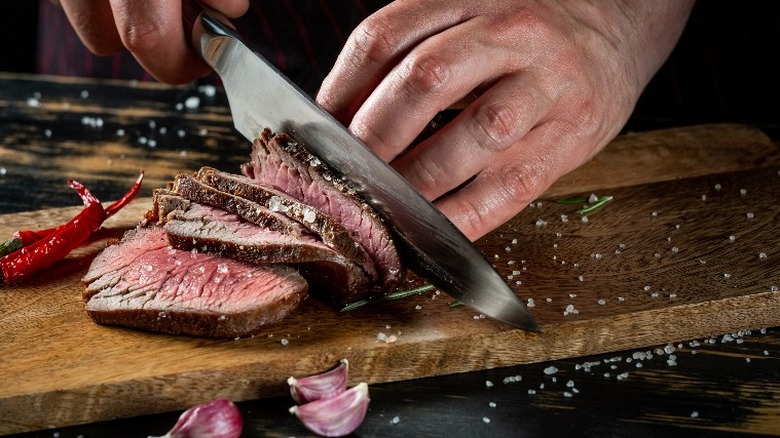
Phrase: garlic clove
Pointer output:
(325, 385)
(217, 419)
(336, 416)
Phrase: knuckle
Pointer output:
(426, 73)
(426, 176)
(140, 37)
(495, 126)
(521, 183)
(477, 219)
(373, 42)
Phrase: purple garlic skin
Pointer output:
(217, 419)
(325, 385)
(335, 416)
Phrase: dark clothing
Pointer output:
(724, 69)
(301, 37)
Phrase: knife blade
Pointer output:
(261, 97)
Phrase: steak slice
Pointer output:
(206, 228)
(280, 162)
(332, 233)
(195, 190)
(144, 283)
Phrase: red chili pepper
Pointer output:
(56, 243)
(29, 237)
(126, 198)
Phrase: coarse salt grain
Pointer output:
(488, 384)
(584, 219)
(602, 301)
(762, 256)
(549, 371)
(492, 404)
(512, 379)
(192, 102)
(694, 414)
(570, 310)
(749, 215)
(485, 420)
(395, 420)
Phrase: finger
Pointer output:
(375, 46)
(228, 8)
(153, 32)
(93, 22)
(499, 192)
(477, 138)
(437, 73)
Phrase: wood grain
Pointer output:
(59, 368)
(67, 370)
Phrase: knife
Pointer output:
(261, 97)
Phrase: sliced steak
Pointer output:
(332, 233)
(144, 283)
(195, 190)
(206, 228)
(280, 162)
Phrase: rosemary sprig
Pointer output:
(390, 297)
(10, 246)
(600, 202)
(577, 200)
(597, 202)
(455, 304)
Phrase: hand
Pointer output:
(550, 84)
(151, 30)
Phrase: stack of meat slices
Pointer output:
(222, 255)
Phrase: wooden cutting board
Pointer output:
(690, 247)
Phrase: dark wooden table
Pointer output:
(721, 385)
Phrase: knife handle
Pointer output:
(190, 10)
(201, 21)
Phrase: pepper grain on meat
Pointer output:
(41, 249)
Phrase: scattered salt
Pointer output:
(84, 94)
(284, 342)
(602, 301)
(488, 384)
(749, 215)
(694, 414)
(492, 404)
(567, 394)
(192, 102)
(512, 379)
(584, 219)
(530, 303)
(743, 192)
(395, 420)
(762, 256)
(485, 420)
(550, 370)
(3, 171)
(570, 310)
(208, 90)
